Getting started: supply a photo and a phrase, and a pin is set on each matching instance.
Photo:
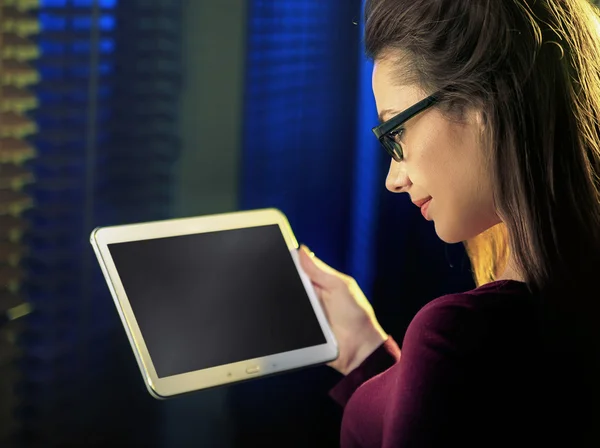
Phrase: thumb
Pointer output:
(319, 273)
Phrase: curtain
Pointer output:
(107, 148)
(18, 27)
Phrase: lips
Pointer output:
(425, 210)
(421, 202)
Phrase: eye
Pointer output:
(397, 134)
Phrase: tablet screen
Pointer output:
(215, 298)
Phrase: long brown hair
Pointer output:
(533, 69)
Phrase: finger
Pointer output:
(319, 273)
(320, 263)
(319, 291)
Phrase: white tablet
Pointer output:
(213, 300)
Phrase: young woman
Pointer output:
(490, 112)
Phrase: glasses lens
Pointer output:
(393, 147)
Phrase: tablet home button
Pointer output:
(253, 369)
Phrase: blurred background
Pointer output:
(119, 111)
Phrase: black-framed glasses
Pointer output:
(389, 133)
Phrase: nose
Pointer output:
(397, 179)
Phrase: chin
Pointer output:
(450, 236)
(457, 233)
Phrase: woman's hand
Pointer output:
(348, 311)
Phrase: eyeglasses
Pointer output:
(389, 133)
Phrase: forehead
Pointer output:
(390, 92)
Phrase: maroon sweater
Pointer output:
(472, 373)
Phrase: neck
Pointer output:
(511, 272)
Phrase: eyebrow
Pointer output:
(387, 112)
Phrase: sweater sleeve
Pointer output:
(425, 399)
(384, 357)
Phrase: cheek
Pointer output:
(449, 168)
(435, 165)
(462, 208)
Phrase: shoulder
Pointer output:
(470, 319)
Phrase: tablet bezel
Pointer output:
(220, 375)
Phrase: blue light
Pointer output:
(52, 22)
(82, 23)
(49, 48)
(107, 46)
(107, 23)
(75, 187)
(51, 73)
(48, 98)
(83, 71)
(366, 183)
(103, 4)
(297, 142)
(108, 4)
(81, 47)
(53, 3)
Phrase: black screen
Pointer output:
(215, 298)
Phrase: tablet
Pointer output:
(212, 300)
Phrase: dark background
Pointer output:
(152, 109)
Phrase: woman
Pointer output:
(491, 114)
